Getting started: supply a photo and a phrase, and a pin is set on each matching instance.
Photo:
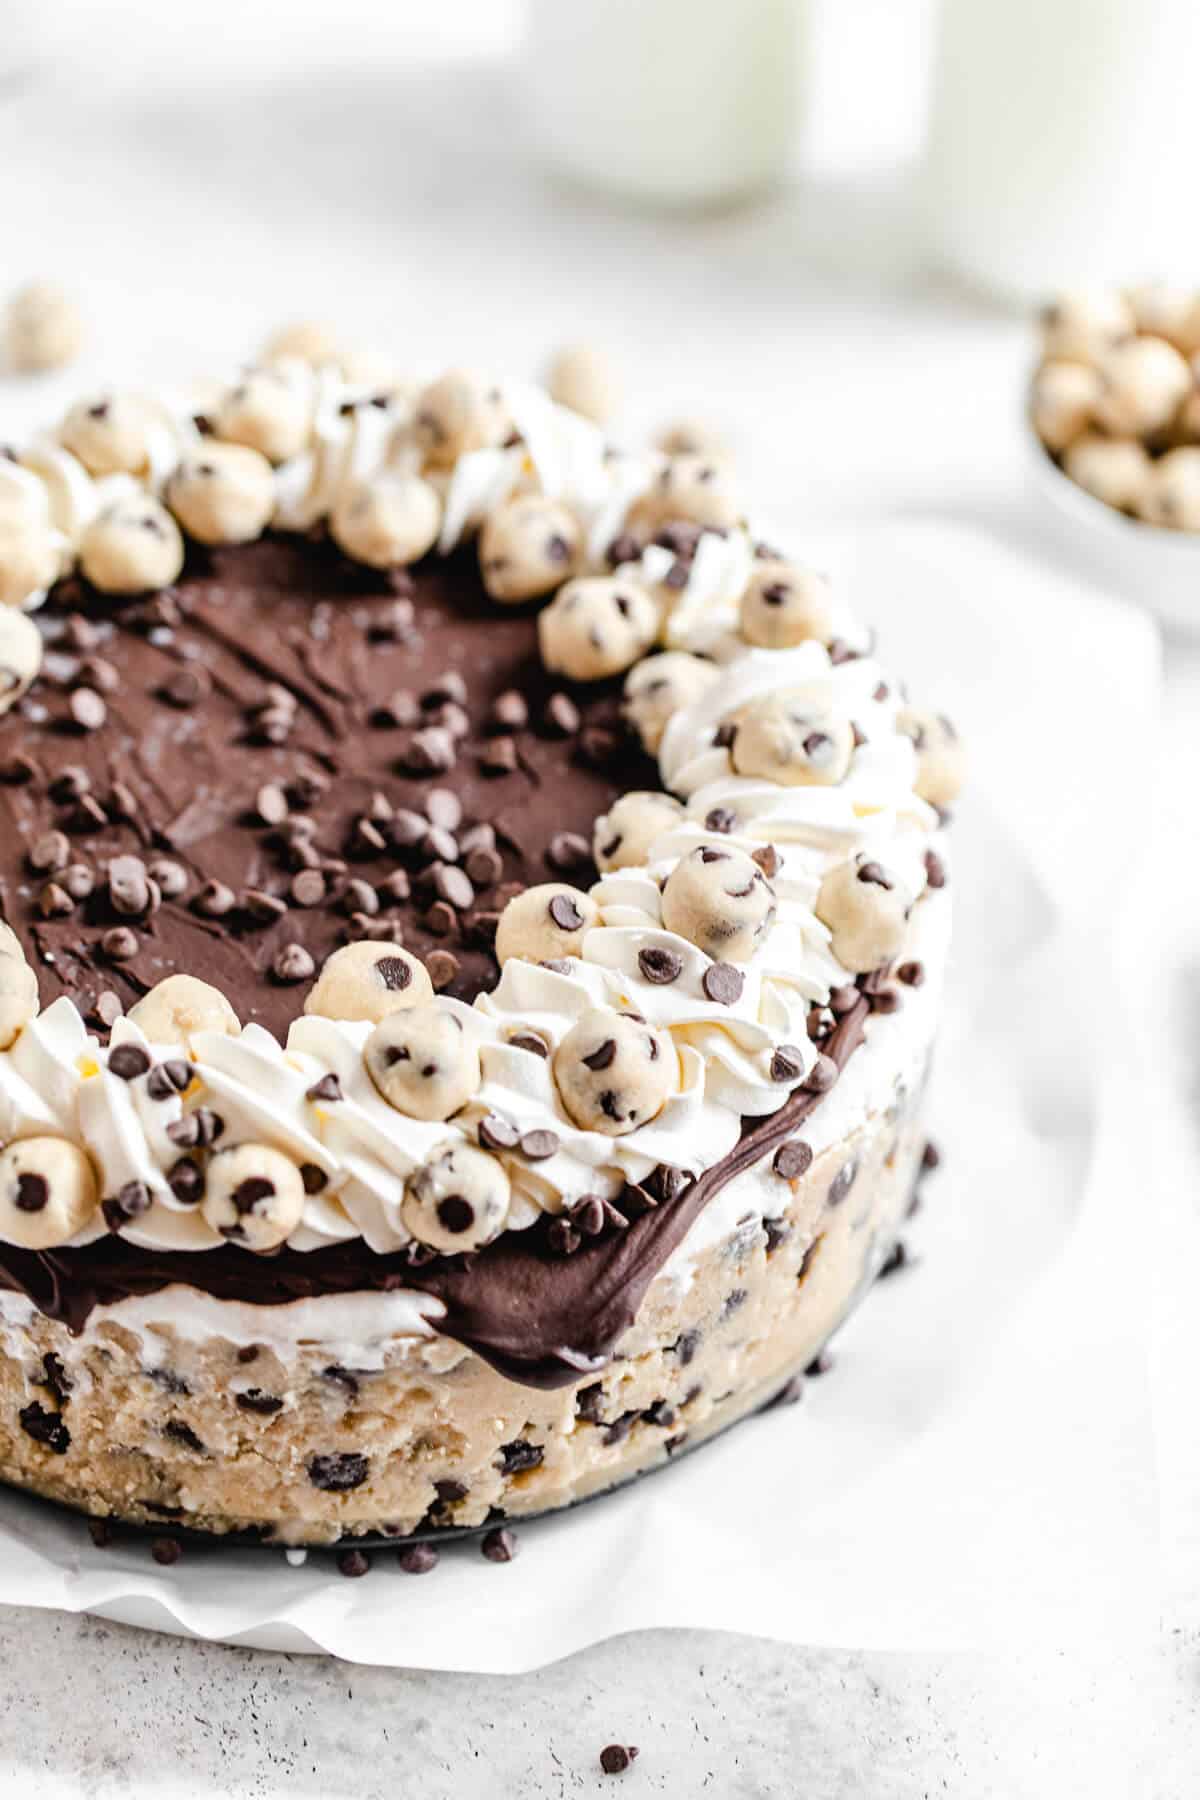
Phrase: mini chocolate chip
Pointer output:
(87, 709)
(107, 1009)
(87, 815)
(253, 1400)
(767, 859)
(498, 757)
(603, 1056)
(128, 1061)
(568, 850)
(564, 913)
(187, 687)
(443, 967)
(508, 712)
(935, 869)
(659, 965)
(430, 752)
(128, 889)
(366, 839)
(33, 1193)
(453, 885)
(271, 804)
(499, 1545)
(394, 973)
(720, 819)
(339, 1471)
(538, 1145)
(912, 974)
(448, 686)
(199, 1128)
(822, 1076)
(71, 783)
(171, 877)
(443, 808)
(357, 897)
(484, 866)
(562, 1237)
(214, 900)
(561, 716)
(455, 1213)
(787, 1064)
(931, 1157)
(120, 944)
(166, 1551)
(495, 1133)
(315, 1179)
(793, 1160)
(264, 908)
(49, 853)
(418, 1559)
(896, 1259)
(293, 963)
(723, 984)
(308, 888)
(328, 1090)
(842, 1182)
(353, 1563)
(54, 902)
(167, 1078)
(186, 1181)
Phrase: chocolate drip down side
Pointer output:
(542, 1320)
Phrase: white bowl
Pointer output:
(1157, 568)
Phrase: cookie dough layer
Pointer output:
(297, 1443)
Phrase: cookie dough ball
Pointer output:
(387, 520)
(42, 328)
(18, 988)
(254, 1196)
(369, 981)
(1082, 327)
(786, 742)
(458, 412)
(110, 434)
(941, 760)
(545, 923)
(785, 605)
(308, 340)
(30, 560)
(692, 437)
(457, 1201)
(720, 900)
(596, 626)
(1062, 402)
(47, 1192)
(614, 1072)
(1142, 385)
(269, 410)
(528, 546)
(1168, 312)
(132, 547)
(581, 378)
(623, 836)
(699, 489)
(1172, 493)
(1187, 425)
(423, 1062)
(1113, 470)
(866, 908)
(180, 1006)
(20, 655)
(223, 494)
(659, 687)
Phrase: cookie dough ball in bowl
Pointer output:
(624, 835)
(659, 687)
(254, 1196)
(1062, 402)
(720, 900)
(596, 627)
(133, 546)
(1171, 497)
(388, 520)
(110, 434)
(457, 413)
(30, 560)
(545, 923)
(18, 987)
(692, 437)
(223, 494)
(180, 1006)
(48, 1192)
(1082, 327)
(941, 759)
(42, 328)
(269, 410)
(423, 1062)
(527, 547)
(1160, 310)
(1113, 470)
(789, 743)
(369, 981)
(20, 655)
(614, 1072)
(785, 605)
(1142, 385)
(580, 378)
(701, 490)
(866, 908)
(457, 1201)
(307, 340)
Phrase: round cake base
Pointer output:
(140, 1420)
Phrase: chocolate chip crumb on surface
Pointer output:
(616, 1758)
(500, 1545)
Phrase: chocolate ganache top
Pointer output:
(296, 751)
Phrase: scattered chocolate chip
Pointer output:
(339, 1471)
(767, 859)
(931, 1157)
(308, 888)
(214, 900)
(107, 1009)
(430, 751)
(441, 919)
(561, 716)
(538, 1145)
(88, 711)
(495, 1133)
(101, 1533)
(170, 877)
(187, 687)
(353, 1563)
(128, 1061)
(660, 965)
(128, 887)
(54, 902)
(166, 1551)
(499, 1545)
(443, 808)
(262, 907)
(357, 897)
(453, 885)
(822, 1076)
(935, 869)
(271, 804)
(562, 1237)
(787, 1064)
(293, 963)
(912, 974)
(508, 712)
(33, 1193)
(498, 757)
(71, 783)
(328, 1090)
(568, 852)
(418, 1559)
(896, 1260)
(87, 815)
(564, 913)
(186, 1181)
(791, 1161)
(790, 1394)
(120, 944)
(821, 1364)
(443, 967)
(49, 853)
(723, 985)
(197, 1129)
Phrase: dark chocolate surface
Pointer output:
(286, 638)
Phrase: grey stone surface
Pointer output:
(102, 1711)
